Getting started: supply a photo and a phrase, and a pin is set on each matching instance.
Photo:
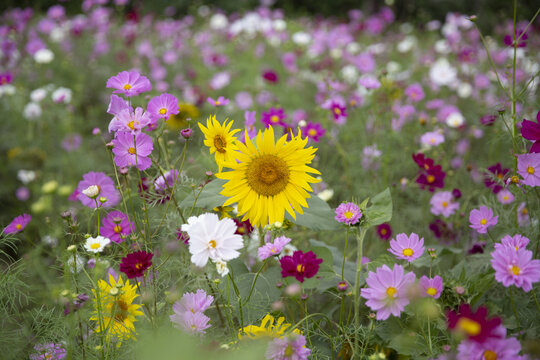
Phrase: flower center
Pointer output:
(18, 226)
(408, 252)
(530, 170)
(312, 132)
(383, 231)
(212, 244)
(430, 178)
(431, 291)
(337, 111)
(514, 179)
(300, 268)
(138, 266)
(274, 118)
(220, 143)
(348, 214)
(524, 211)
(127, 87)
(515, 270)
(471, 327)
(483, 221)
(95, 246)
(117, 229)
(162, 111)
(288, 351)
(132, 151)
(490, 355)
(217, 102)
(391, 291)
(444, 204)
(122, 308)
(268, 175)
(131, 125)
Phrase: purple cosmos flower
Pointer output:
(22, 193)
(530, 130)
(509, 39)
(384, 231)
(442, 203)
(339, 111)
(482, 218)
(313, 131)
(105, 187)
(517, 242)
(18, 224)
(220, 101)
(126, 120)
(505, 196)
(515, 267)
(274, 117)
(5, 78)
(117, 104)
(116, 226)
(494, 176)
(369, 82)
(249, 125)
(415, 92)
(129, 83)
(273, 249)
(494, 348)
(300, 265)
(488, 119)
(132, 150)
(193, 323)
(166, 182)
(523, 215)
(72, 142)
(348, 213)
(431, 287)
(284, 348)
(163, 106)
(243, 100)
(406, 247)
(193, 302)
(50, 351)
(529, 168)
(387, 290)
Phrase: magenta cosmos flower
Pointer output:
(406, 247)
(274, 117)
(273, 249)
(116, 226)
(431, 287)
(475, 325)
(415, 92)
(163, 106)
(529, 168)
(387, 290)
(284, 348)
(348, 213)
(517, 242)
(515, 267)
(220, 101)
(384, 231)
(300, 265)
(338, 110)
(482, 218)
(313, 131)
(18, 224)
(132, 150)
(129, 83)
(134, 122)
(530, 130)
(105, 187)
(442, 203)
(135, 264)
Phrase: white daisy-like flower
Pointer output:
(211, 238)
(96, 244)
(44, 56)
(222, 268)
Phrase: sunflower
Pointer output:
(269, 179)
(179, 121)
(267, 328)
(117, 309)
(220, 139)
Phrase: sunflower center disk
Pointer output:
(268, 175)
(220, 143)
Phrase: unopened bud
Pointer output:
(92, 191)
(186, 133)
(71, 248)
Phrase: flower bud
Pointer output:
(92, 191)
(186, 133)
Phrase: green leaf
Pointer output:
(209, 197)
(317, 216)
(337, 257)
(384, 259)
(380, 210)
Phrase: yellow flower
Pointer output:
(267, 328)
(270, 178)
(223, 211)
(179, 121)
(220, 140)
(115, 299)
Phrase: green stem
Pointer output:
(255, 280)
(515, 310)
(360, 239)
(536, 300)
(366, 340)
(342, 307)
(239, 296)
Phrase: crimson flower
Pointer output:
(300, 265)
(134, 264)
(475, 325)
(530, 130)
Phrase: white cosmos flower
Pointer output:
(62, 95)
(455, 120)
(96, 244)
(38, 95)
(211, 238)
(44, 56)
(222, 268)
(32, 111)
(442, 73)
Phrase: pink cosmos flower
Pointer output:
(129, 83)
(165, 183)
(285, 348)
(369, 82)
(432, 138)
(338, 110)
(415, 92)
(273, 249)
(406, 247)
(193, 302)
(132, 150)
(163, 106)
(523, 215)
(431, 287)
(193, 323)
(481, 219)
(505, 196)
(274, 117)
(348, 213)
(106, 189)
(117, 104)
(529, 168)
(517, 242)
(116, 226)
(387, 290)
(498, 347)
(220, 101)
(18, 224)
(442, 203)
(515, 267)
(300, 265)
(313, 131)
(126, 120)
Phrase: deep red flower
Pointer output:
(243, 227)
(430, 175)
(384, 231)
(270, 76)
(134, 264)
(495, 171)
(300, 265)
(475, 325)
(530, 130)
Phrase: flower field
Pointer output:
(262, 186)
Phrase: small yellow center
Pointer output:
(312, 132)
(524, 211)
(162, 111)
(514, 179)
(471, 327)
(300, 268)
(352, 102)
(138, 266)
(444, 204)
(483, 221)
(132, 151)
(95, 246)
(212, 244)
(18, 226)
(274, 118)
(348, 214)
(383, 231)
(490, 355)
(220, 143)
(117, 229)
(530, 170)
(127, 87)
(430, 178)
(391, 291)
(500, 175)
(217, 102)
(131, 125)
(408, 252)
(515, 270)
(431, 291)
(337, 111)
(288, 351)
